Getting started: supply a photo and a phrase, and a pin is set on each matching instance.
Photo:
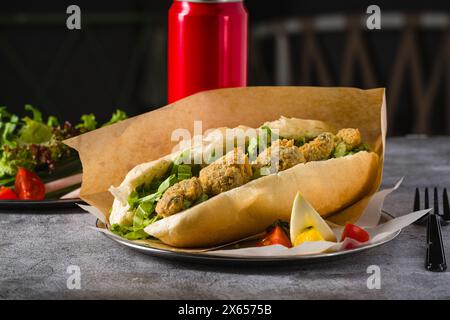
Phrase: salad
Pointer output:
(34, 163)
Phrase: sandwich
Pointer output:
(237, 190)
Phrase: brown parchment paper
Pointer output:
(107, 154)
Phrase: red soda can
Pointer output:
(207, 46)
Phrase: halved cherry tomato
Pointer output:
(28, 185)
(7, 194)
(355, 232)
(276, 236)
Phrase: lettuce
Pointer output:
(11, 160)
(32, 143)
(143, 200)
(298, 142)
(129, 233)
(139, 196)
(117, 116)
(202, 198)
(184, 172)
(254, 142)
(34, 132)
(182, 157)
(52, 121)
(7, 131)
(341, 149)
(37, 115)
(166, 184)
(88, 122)
(143, 216)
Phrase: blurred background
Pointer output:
(118, 58)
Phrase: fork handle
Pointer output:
(435, 258)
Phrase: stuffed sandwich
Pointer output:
(186, 203)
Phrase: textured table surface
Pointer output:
(36, 250)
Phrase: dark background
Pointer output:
(118, 58)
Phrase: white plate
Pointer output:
(220, 259)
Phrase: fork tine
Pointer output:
(436, 202)
(446, 206)
(427, 200)
(417, 200)
(424, 219)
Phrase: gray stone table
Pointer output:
(36, 250)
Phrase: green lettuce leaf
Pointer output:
(166, 184)
(298, 142)
(117, 116)
(202, 198)
(10, 160)
(129, 233)
(37, 115)
(88, 122)
(34, 132)
(184, 172)
(254, 142)
(7, 131)
(52, 121)
(340, 150)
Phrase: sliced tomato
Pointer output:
(28, 185)
(355, 232)
(7, 194)
(275, 236)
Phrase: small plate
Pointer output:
(209, 258)
(33, 205)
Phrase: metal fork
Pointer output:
(435, 257)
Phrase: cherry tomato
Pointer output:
(28, 185)
(355, 232)
(276, 236)
(7, 194)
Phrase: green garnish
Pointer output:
(184, 172)
(340, 150)
(182, 157)
(298, 142)
(129, 233)
(202, 198)
(36, 144)
(52, 121)
(34, 132)
(117, 116)
(256, 143)
(37, 115)
(187, 204)
(166, 184)
(143, 200)
(88, 122)
(143, 216)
